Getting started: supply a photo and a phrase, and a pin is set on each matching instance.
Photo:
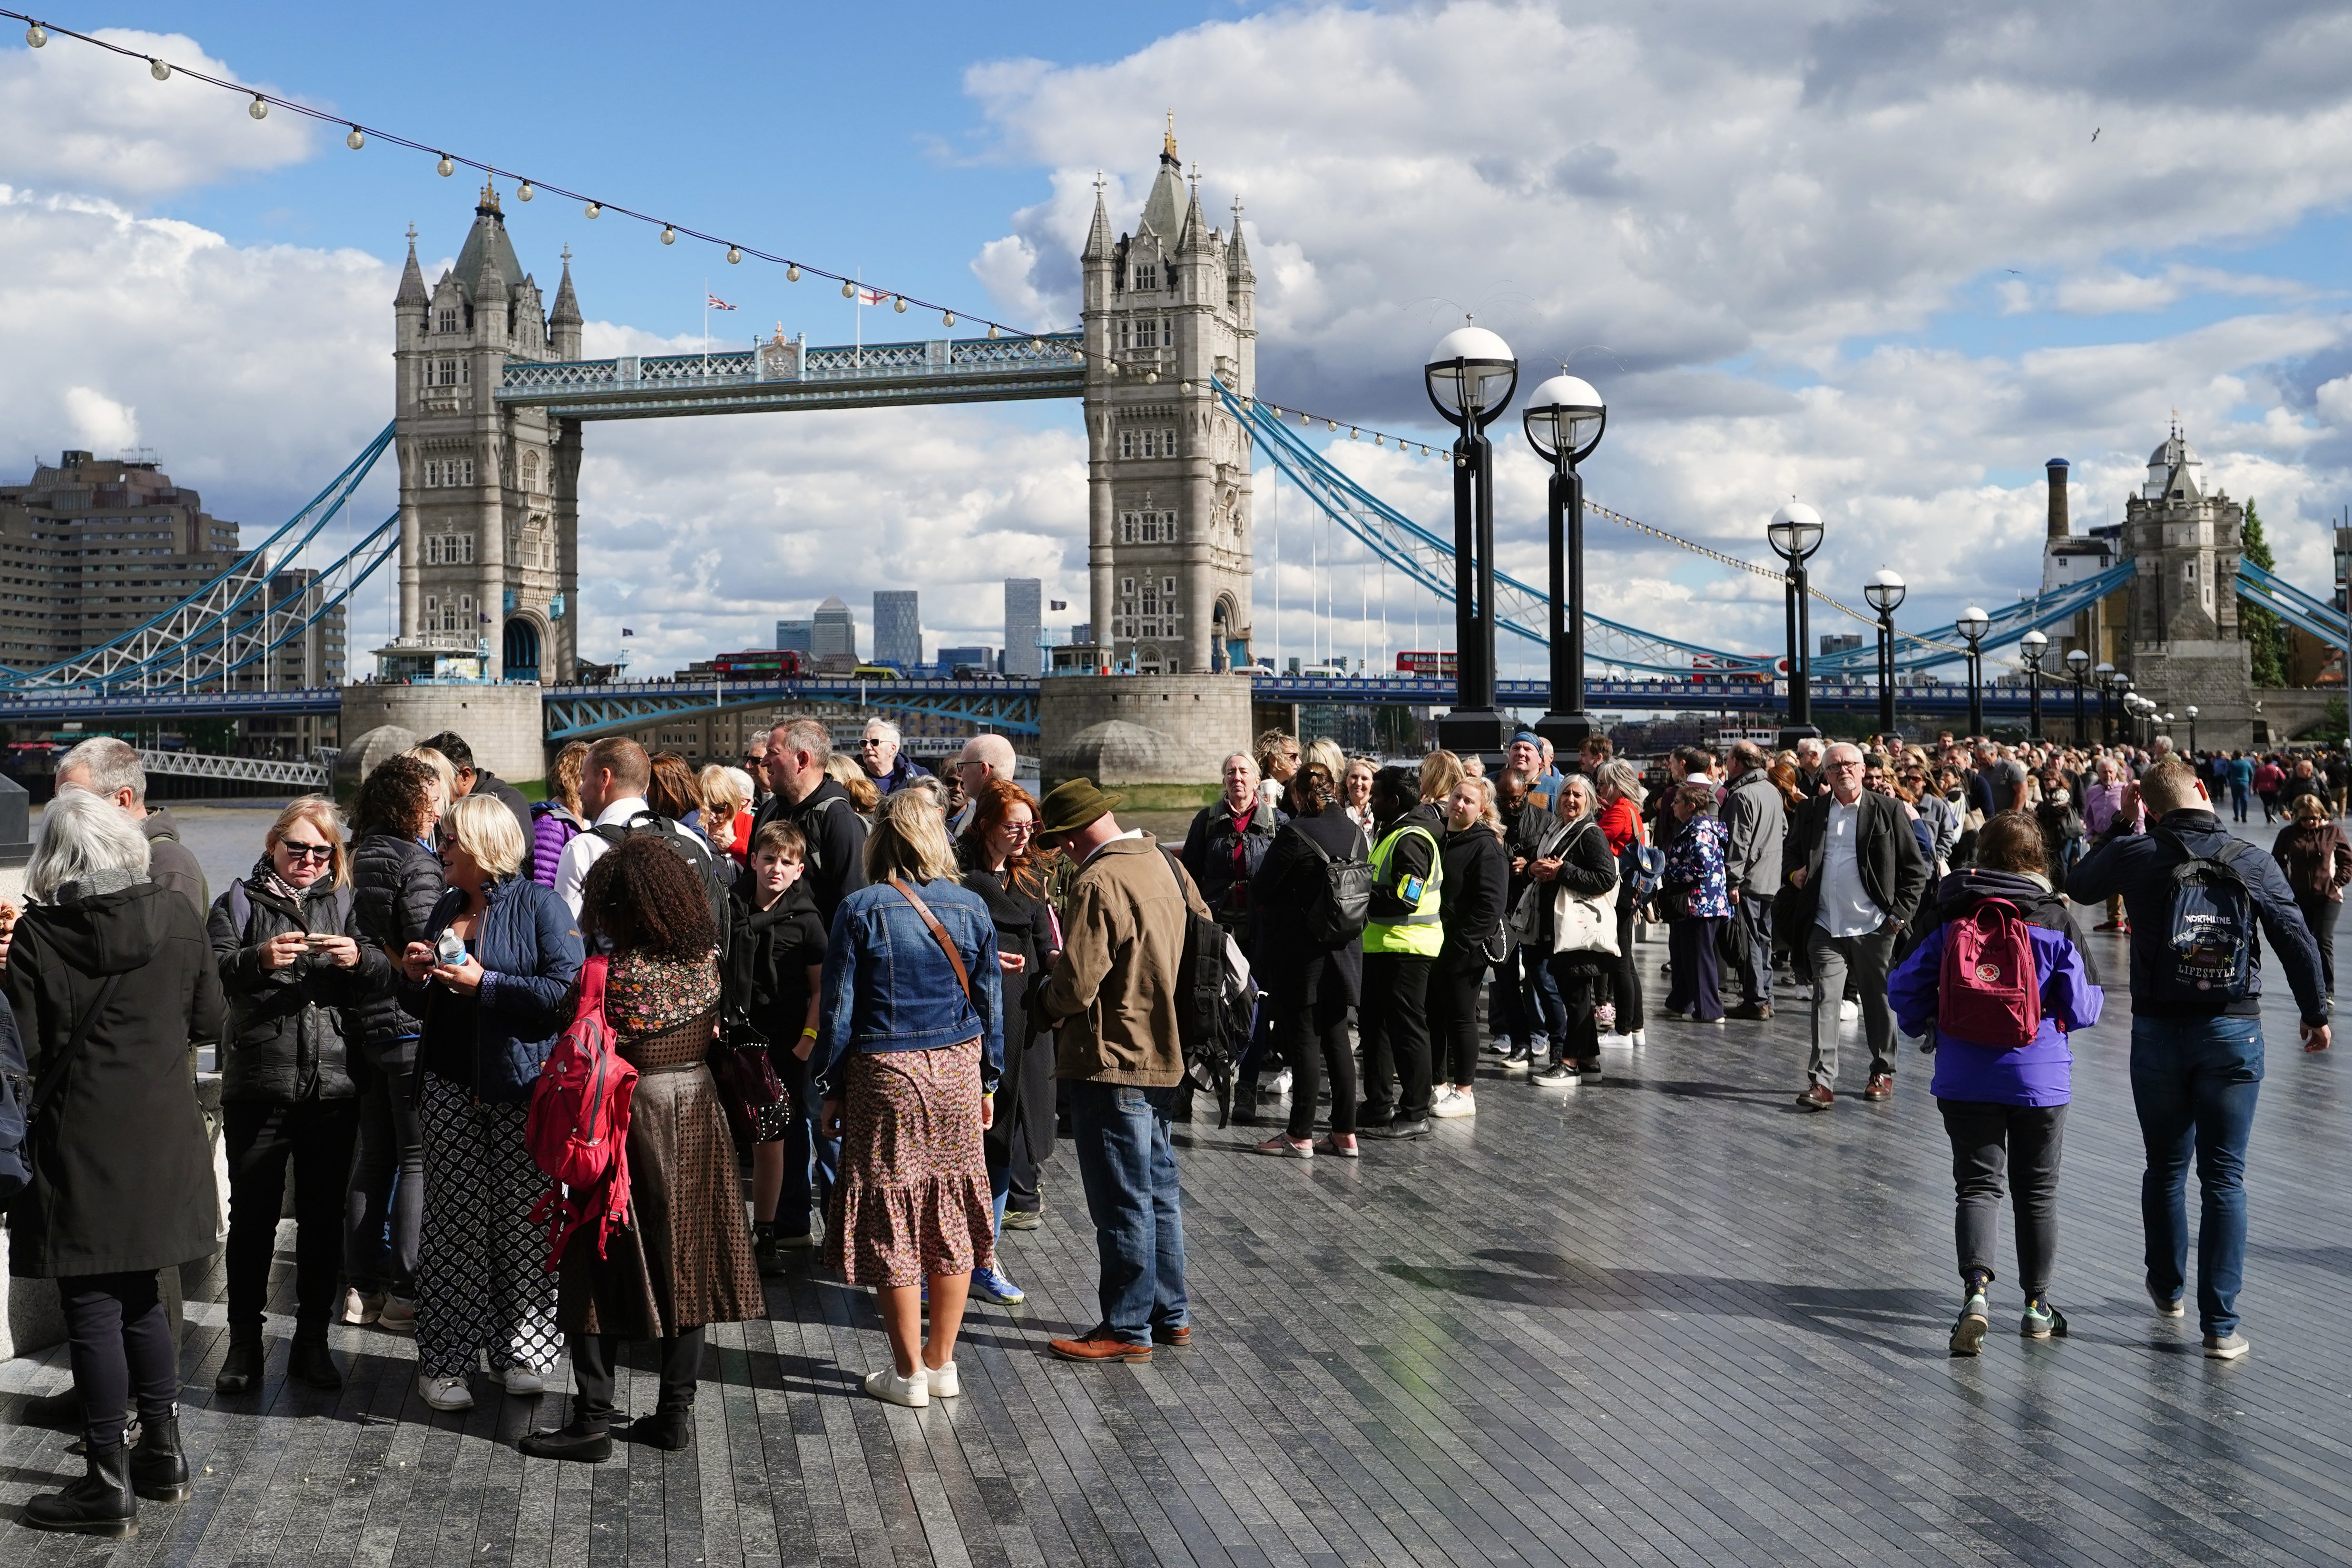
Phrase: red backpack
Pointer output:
(578, 1128)
(1988, 992)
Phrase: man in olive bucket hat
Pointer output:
(1112, 1004)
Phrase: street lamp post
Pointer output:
(2191, 711)
(1973, 624)
(2033, 646)
(1886, 592)
(2107, 678)
(2077, 661)
(1470, 377)
(1564, 420)
(1795, 533)
(2123, 709)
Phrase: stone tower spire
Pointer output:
(412, 295)
(565, 319)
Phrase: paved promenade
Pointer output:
(1663, 1319)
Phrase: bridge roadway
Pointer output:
(1010, 707)
(1665, 1319)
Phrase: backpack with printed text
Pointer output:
(2206, 954)
(577, 1129)
(687, 846)
(1989, 992)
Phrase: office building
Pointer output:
(979, 656)
(1022, 597)
(795, 636)
(833, 631)
(898, 628)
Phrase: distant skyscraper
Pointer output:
(796, 636)
(833, 630)
(1021, 654)
(898, 628)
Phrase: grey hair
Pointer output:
(897, 737)
(1811, 745)
(1622, 776)
(1837, 746)
(1244, 756)
(995, 750)
(806, 735)
(82, 835)
(1590, 791)
(113, 765)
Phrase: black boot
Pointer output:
(310, 1363)
(583, 1444)
(767, 1255)
(240, 1370)
(101, 1503)
(159, 1470)
(670, 1427)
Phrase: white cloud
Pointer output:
(103, 424)
(79, 119)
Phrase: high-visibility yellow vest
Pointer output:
(1419, 933)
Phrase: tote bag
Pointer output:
(1586, 922)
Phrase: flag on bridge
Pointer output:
(715, 302)
(628, 631)
(1058, 603)
(870, 297)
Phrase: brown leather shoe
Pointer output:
(1099, 1347)
(1751, 1012)
(1175, 1339)
(1880, 1087)
(1816, 1098)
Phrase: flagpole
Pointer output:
(706, 326)
(859, 312)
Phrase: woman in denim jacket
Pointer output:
(907, 1061)
(489, 1021)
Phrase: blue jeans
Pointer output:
(1128, 1170)
(2194, 1082)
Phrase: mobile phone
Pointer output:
(319, 939)
(450, 949)
(1410, 892)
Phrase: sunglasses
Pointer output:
(1019, 829)
(871, 740)
(307, 851)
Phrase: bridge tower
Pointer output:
(2184, 541)
(489, 494)
(1167, 308)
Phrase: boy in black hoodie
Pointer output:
(775, 955)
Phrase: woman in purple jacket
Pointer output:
(2004, 1107)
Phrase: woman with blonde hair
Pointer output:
(1440, 772)
(864, 797)
(726, 810)
(294, 965)
(490, 979)
(1475, 871)
(558, 820)
(443, 769)
(909, 1047)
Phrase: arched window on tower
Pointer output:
(530, 471)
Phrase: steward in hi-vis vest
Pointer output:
(1401, 945)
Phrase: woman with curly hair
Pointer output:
(994, 852)
(684, 1258)
(908, 1048)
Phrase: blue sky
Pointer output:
(1794, 230)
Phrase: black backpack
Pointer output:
(1217, 1002)
(688, 847)
(2206, 954)
(1343, 905)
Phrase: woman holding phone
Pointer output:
(288, 947)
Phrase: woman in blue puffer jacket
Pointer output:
(490, 1018)
(2004, 1107)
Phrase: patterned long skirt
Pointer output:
(912, 1202)
(482, 1284)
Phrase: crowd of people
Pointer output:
(933, 980)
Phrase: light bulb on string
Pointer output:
(594, 210)
(734, 256)
(1185, 387)
(793, 273)
(1353, 434)
(160, 70)
(1306, 419)
(899, 304)
(947, 318)
(1152, 378)
(992, 329)
(356, 139)
(1333, 425)
(523, 192)
(259, 107)
(849, 290)
(36, 35)
(444, 168)
(669, 234)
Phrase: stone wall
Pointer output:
(501, 723)
(2218, 677)
(1159, 740)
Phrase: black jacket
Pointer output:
(1292, 967)
(172, 864)
(1895, 872)
(286, 1040)
(1208, 852)
(122, 1173)
(769, 955)
(828, 819)
(1025, 1089)
(1587, 866)
(489, 783)
(2140, 867)
(1477, 878)
(396, 882)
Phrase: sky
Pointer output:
(1886, 259)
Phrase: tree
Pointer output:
(2256, 625)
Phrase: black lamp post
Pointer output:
(1884, 591)
(1973, 624)
(2033, 646)
(2191, 711)
(2108, 676)
(2124, 706)
(1795, 533)
(2078, 660)
(1564, 420)
(1471, 376)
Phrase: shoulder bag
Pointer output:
(947, 944)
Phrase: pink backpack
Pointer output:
(578, 1126)
(1988, 992)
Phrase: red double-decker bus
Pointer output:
(1428, 662)
(770, 664)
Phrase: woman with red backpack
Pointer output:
(2001, 981)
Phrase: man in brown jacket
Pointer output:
(1112, 1004)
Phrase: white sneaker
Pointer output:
(444, 1392)
(396, 1316)
(944, 1383)
(1849, 1011)
(521, 1380)
(1635, 1040)
(1454, 1102)
(360, 1307)
(1280, 1087)
(887, 1385)
(1439, 1096)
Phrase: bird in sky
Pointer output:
(2094, 131)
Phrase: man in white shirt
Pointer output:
(613, 780)
(1857, 873)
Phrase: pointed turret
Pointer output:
(1163, 209)
(1098, 240)
(564, 324)
(1237, 266)
(1195, 234)
(412, 295)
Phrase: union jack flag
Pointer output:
(715, 302)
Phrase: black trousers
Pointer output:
(1692, 944)
(1315, 1036)
(1627, 982)
(316, 1136)
(1454, 1016)
(1394, 1023)
(1581, 986)
(2024, 1140)
(387, 1188)
(2319, 913)
(119, 1343)
(594, 1357)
